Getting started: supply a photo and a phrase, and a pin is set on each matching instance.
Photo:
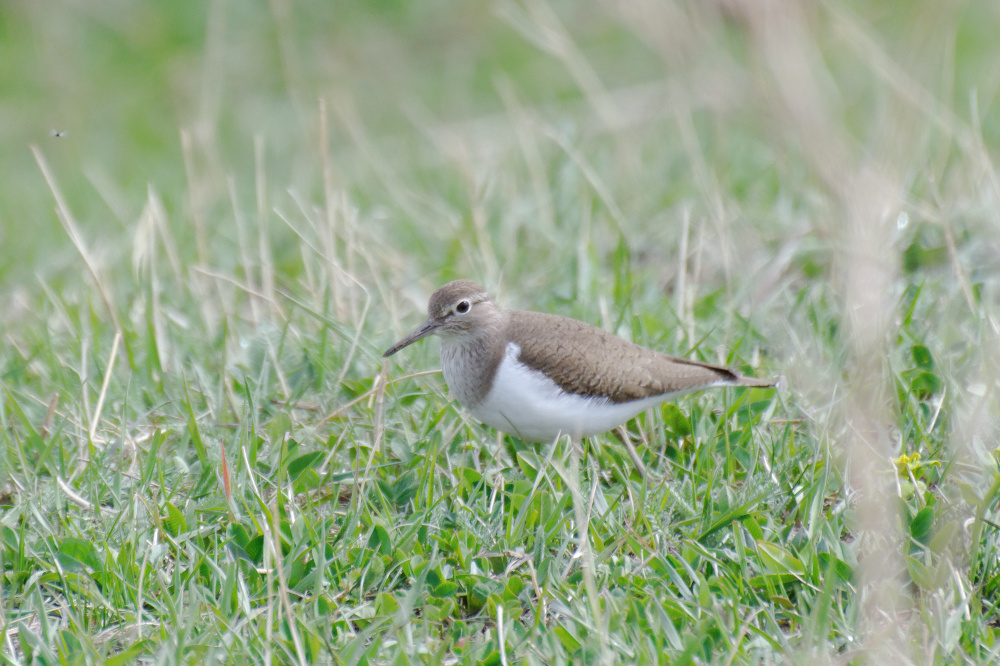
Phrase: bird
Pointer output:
(537, 376)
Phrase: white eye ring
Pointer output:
(462, 307)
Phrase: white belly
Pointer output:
(526, 404)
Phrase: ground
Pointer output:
(214, 217)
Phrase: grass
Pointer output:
(204, 459)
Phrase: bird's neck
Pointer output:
(469, 360)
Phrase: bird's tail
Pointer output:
(755, 382)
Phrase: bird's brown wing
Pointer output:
(589, 361)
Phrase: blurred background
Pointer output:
(678, 101)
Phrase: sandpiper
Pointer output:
(536, 376)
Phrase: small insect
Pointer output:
(57, 134)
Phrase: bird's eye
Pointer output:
(462, 307)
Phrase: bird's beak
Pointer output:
(427, 328)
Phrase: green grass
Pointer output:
(251, 202)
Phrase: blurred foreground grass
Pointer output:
(246, 203)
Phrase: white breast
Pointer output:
(525, 403)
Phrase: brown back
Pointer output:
(586, 360)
